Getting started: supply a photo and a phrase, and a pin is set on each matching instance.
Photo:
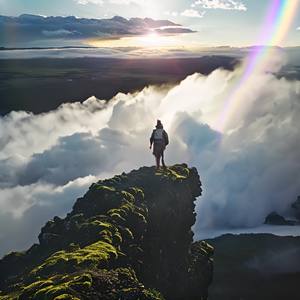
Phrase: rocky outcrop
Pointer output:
(275, 219)
(129, 237)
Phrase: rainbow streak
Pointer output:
(276, 25)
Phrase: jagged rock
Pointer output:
(129, 237)
(275, 219)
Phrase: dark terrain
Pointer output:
(255, 267)
(42, 84)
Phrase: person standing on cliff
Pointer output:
(159, 138)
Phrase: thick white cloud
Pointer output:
(23, 134)
(221, 4)
(249, 169)
(24, 210)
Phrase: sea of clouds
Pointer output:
(248, 168)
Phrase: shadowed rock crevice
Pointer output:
(129, 237)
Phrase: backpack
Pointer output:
(158, 134)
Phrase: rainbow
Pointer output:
(279, 18)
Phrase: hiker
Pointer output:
(160, 139)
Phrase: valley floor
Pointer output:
(255, 266)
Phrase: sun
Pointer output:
(150, 40)
(154, 39)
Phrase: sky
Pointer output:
(217, 22)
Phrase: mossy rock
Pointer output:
(124, 237)
(105, 188)
(92, 257)
(58, 287)
(66, 297)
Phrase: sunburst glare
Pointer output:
(150, 40)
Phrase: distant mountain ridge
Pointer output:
(29, 27)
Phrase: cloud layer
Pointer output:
(192, 13)
(221, 4)
(28, 29)
(248, 170)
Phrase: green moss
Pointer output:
(105, 188)
(88, 257)
(37, 286)
(122, 213)
(141, 217)
(9, 297)
(174, 175)
(137, 192)
(152, 294)
(106, 236)
(120, 283)
(66, 297)
(57, 287)
(81, 285)
(117, 238)
(84, 277)
(117, 217)
(128, 196)
(50, 292)
(177, 172)
(128, 207)
(128, 233)
(93, 225)
(182, 169)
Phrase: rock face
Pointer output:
(129, 237)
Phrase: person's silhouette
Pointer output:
(159, 138)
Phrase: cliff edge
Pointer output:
(128, 237)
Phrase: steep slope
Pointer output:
(129, 237)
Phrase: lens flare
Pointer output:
(150, 40)
(278, 21)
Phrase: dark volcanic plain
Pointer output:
(255, 267)
(42, 84)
